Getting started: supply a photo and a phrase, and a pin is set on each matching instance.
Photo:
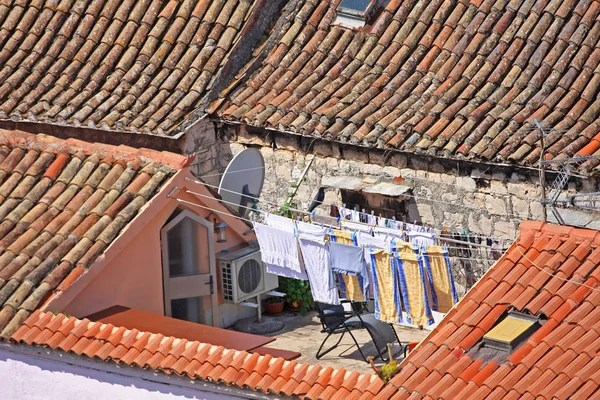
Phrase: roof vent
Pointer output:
(358, 13)
(509, 333)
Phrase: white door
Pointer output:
(188, 253)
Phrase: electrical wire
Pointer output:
(245, 219)
(232, 172)
(330, 204)
(242, 194)
(212, 209)
(264, 212)
(340, 227)
(226, 202)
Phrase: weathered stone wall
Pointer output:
(485, 200)
(202, 140)
(444, 195)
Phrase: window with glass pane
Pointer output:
(186, 255)
(193, 309)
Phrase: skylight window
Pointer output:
(358, 13)
(509, 333)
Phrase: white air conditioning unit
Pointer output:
(243, 275)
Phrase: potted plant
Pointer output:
(273, 305)
(297, 294)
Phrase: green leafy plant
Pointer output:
(297, 291)
(285, 209)
(274, 300)
(388, 370)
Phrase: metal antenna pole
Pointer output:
(542, 169)
(292, 194)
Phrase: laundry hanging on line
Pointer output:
(354, 286)
(385, 282)
(316, 256)
(420, 235)
(278, 247)
(443, 281)
(287, 225)
(395, 287)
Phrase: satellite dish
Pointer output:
(243, 180)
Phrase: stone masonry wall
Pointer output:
(487, 203)
(212, 155)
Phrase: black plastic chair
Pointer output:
(335, 319)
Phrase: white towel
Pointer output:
(278, 247)
(279, 222)
(421, 238)
(316, 258)
(379, 241)
(397, 233)
(311, 231)
(286, 272)
(351, 226)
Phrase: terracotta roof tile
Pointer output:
(194, 359)
(560, 357)
(85, 67)
(493, 57)
(47, 243)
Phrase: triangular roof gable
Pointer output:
(168, 193)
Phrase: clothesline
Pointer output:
(264, 212)
(212, 209)
(470, 234)
(441, 238)
(330, 204)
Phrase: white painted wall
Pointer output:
(37, 373)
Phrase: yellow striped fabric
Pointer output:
(353, 290)
(441, 279)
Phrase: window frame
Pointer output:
(194, 285)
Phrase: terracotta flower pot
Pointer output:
(273, 308)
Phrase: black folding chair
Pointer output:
(381, 333)
(335, 319)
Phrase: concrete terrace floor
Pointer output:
(302, 333)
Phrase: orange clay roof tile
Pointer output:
(91, 76)
(522, 61)
(43, 258)
(560, 357)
